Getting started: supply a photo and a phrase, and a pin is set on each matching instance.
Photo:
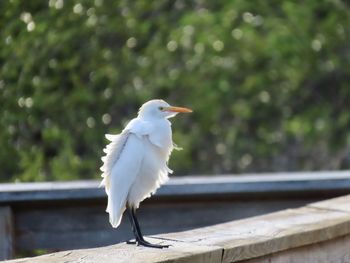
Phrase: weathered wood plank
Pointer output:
(335, 250)
(258, 236)
(123, 253)
(6, 238)
(341, 204)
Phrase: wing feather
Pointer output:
(113, 151)
(154, 173)
(122, 164)
(112, 137)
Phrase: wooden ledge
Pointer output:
(321, 230)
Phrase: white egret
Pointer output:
(135, 164)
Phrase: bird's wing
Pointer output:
(121, 165)
(117, 143)
(139, 127)
(112, 151)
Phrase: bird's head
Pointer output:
(160, 109)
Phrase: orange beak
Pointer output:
(177, 109)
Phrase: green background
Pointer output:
(269, 83)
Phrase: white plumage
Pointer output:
(135, 164)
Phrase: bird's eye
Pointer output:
(161, 108)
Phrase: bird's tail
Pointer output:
(115, 211)
(116, 200)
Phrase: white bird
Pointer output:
(135, 164)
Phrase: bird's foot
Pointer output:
(133, 242)
(148, 244)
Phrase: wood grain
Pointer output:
(307, 234)
(6, 238)
(123, 253)
(335, 250)
(258, 236)
(340, 204)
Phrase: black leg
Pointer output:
(131, 219)
(137, 225)
(137, 231)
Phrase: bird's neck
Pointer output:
(150, 118)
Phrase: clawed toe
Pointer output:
(145, 243)
(148, 244)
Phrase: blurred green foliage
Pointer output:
(269, 82)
